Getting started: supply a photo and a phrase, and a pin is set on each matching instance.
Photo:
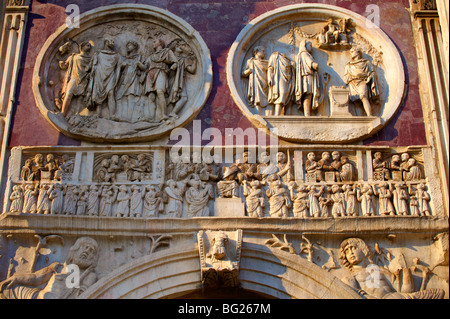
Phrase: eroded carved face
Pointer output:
(219, 246)
(354, 254)
(86, 255)
(281, 158)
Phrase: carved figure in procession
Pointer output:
(56, 196)
(313, 196)
(103, 80)
(174, 192)
(400, 198)
(30, 199)
(256, 71)
(254, 198)
(107, 199)
(281, 81)
(159, 63)
(307, 82)
(365, 196)
(71, 193)
(361, 80)
(93, 202)
(197, 197)
(300, 200)
(130, 86)
(350, 196)
(186, 62)
(325, 202)
(123, 202)
(422, 198)
(136, 201)
(384, 199)
(153, 203)
(43, 202)
(17, 199)
(78, 66)
(279, 199)
(83, 197)
(338, 199)
(357, 257)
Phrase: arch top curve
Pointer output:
(176, 271)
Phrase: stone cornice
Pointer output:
(110, 226)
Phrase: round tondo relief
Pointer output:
(128, 73)
(316, 73)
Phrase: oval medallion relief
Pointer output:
(128, 73)
(316, 73)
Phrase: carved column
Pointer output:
(14, 23)
(432, 54)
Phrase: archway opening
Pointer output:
(222, 293)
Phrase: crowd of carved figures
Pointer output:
(274, 85)
(127, 88)
(268, 188)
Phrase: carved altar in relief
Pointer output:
(315, 73)
(129, 73)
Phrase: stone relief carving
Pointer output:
(48, 168)
(125, 185)
(373, 272)
(49, 282)
(359, 259)
(219, 257)
(402, 167)
(283, 65)
(123, 79)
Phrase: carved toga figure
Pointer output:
(76, 80)
(256, 71)
(307, 82)
(361, 79)
(280, 77)
(160, 62)
(104, 77)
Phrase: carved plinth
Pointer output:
(220, 253)
(310, 177)
(396, 175)
(339, 101)
(378, 176)
(229, 207)
(330, 176)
